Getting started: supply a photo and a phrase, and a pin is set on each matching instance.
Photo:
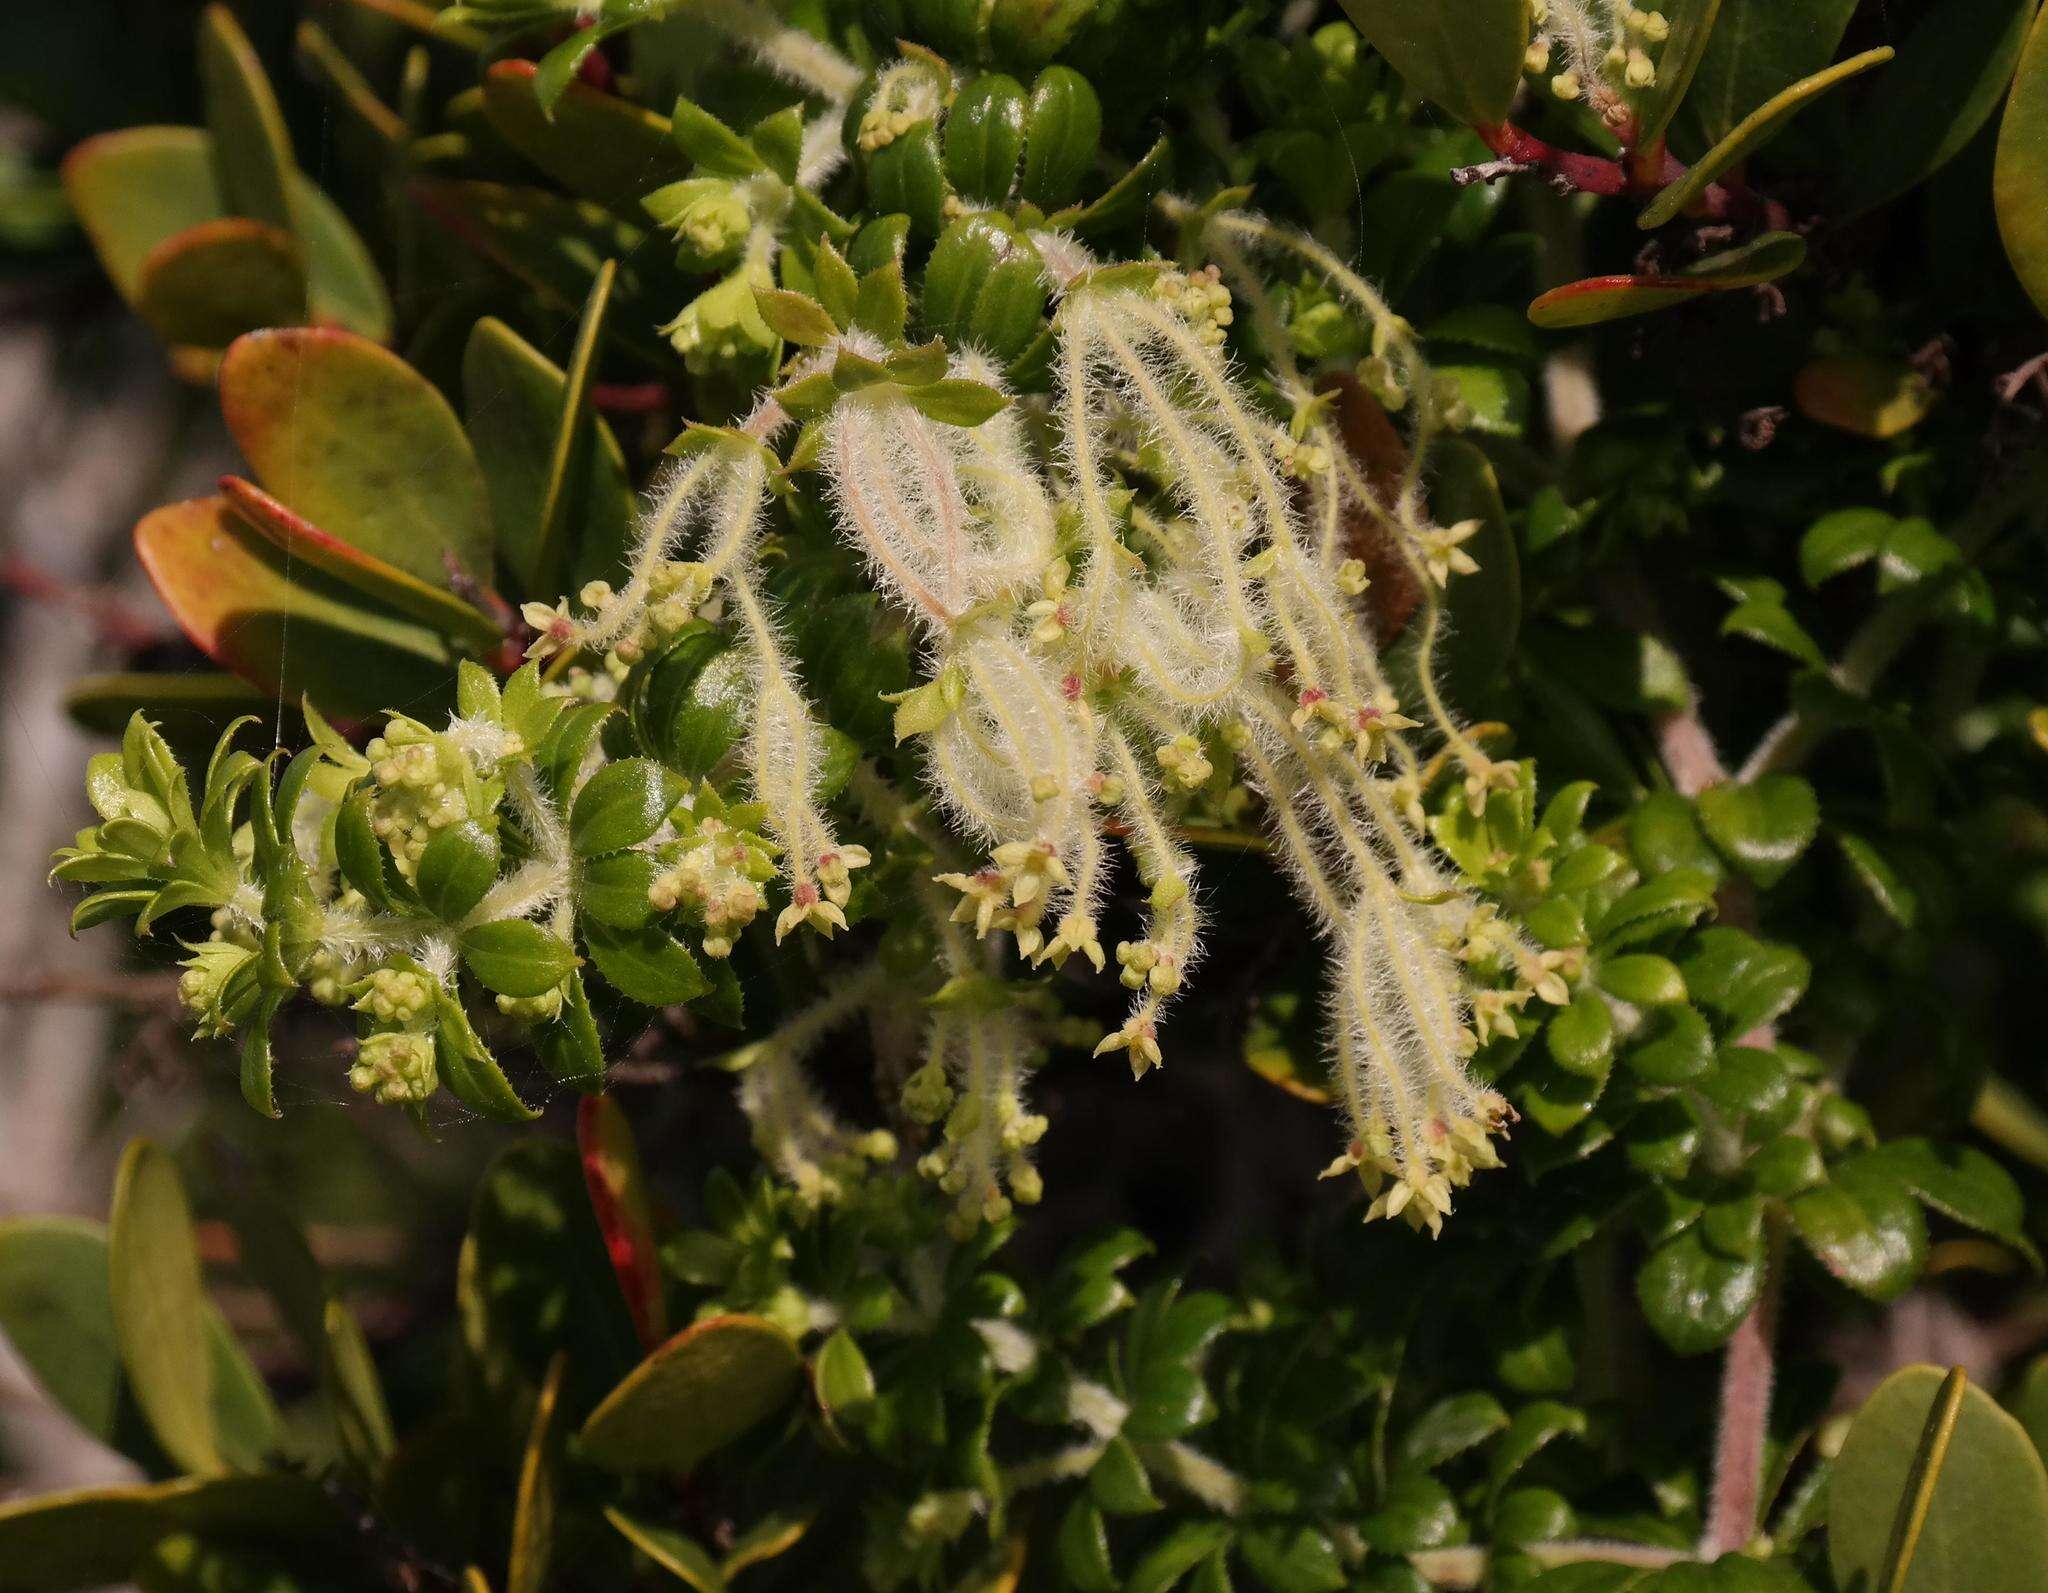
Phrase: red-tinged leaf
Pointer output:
(348, 435)
(302, 539)
(205, 286)
(1595, 299)
(594, 144)
(133, 189)
(619, 1197)
(1860, 393)
(286, 633)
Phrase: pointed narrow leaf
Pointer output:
(252, 150)
(1753, 132)
(513, 402)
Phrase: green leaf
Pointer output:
(1952, 71)
(955, 401)
(1986, 1522)
(1533, 1428)
(595, 144)
(1082, 1548)
(252, 150)
(697, 1393)
(613, 889)
(1743, 981)
(670, 1550)
(1840, 541)
(1693, 1297)
(1753, 132)
(291, 632)
(1118, 1483)
(1171, 1557)
(1764, 827)
(1125, 202)
(694, 701)
(1963, 1184)
(1062, 136)
(1671, 901)
(349, 436)
(1770, 622)
(1755, 49)
(984, 287)
(459, 865)
(844, 1381)
(622, 805)
(647, 965)
(906, 175)
(985, 137)
(133, 190)
(1168, 1400)
(795, 316)
(1468, 61)
(2020, 175)
(1293, 1559)
(710, 145)
(1864, 1227)
(516, 957)
(1450, 1427)
(469, 1069)
(1692, 25)
(1642, 980)
(164, 1323)
(1581, 1037)
(58, 1313)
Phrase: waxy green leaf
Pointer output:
(1468, 60)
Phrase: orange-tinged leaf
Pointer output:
(1860, 393)
(228, 587)
(625, 1214)
(301, 539)
(205, 286)
(135, 188)
(1382, 456)
(348, 435)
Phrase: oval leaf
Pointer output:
(1986, 1525)
(2020, 176)
(348, 435)
(698, 1392)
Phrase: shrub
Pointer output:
(1155, 485)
